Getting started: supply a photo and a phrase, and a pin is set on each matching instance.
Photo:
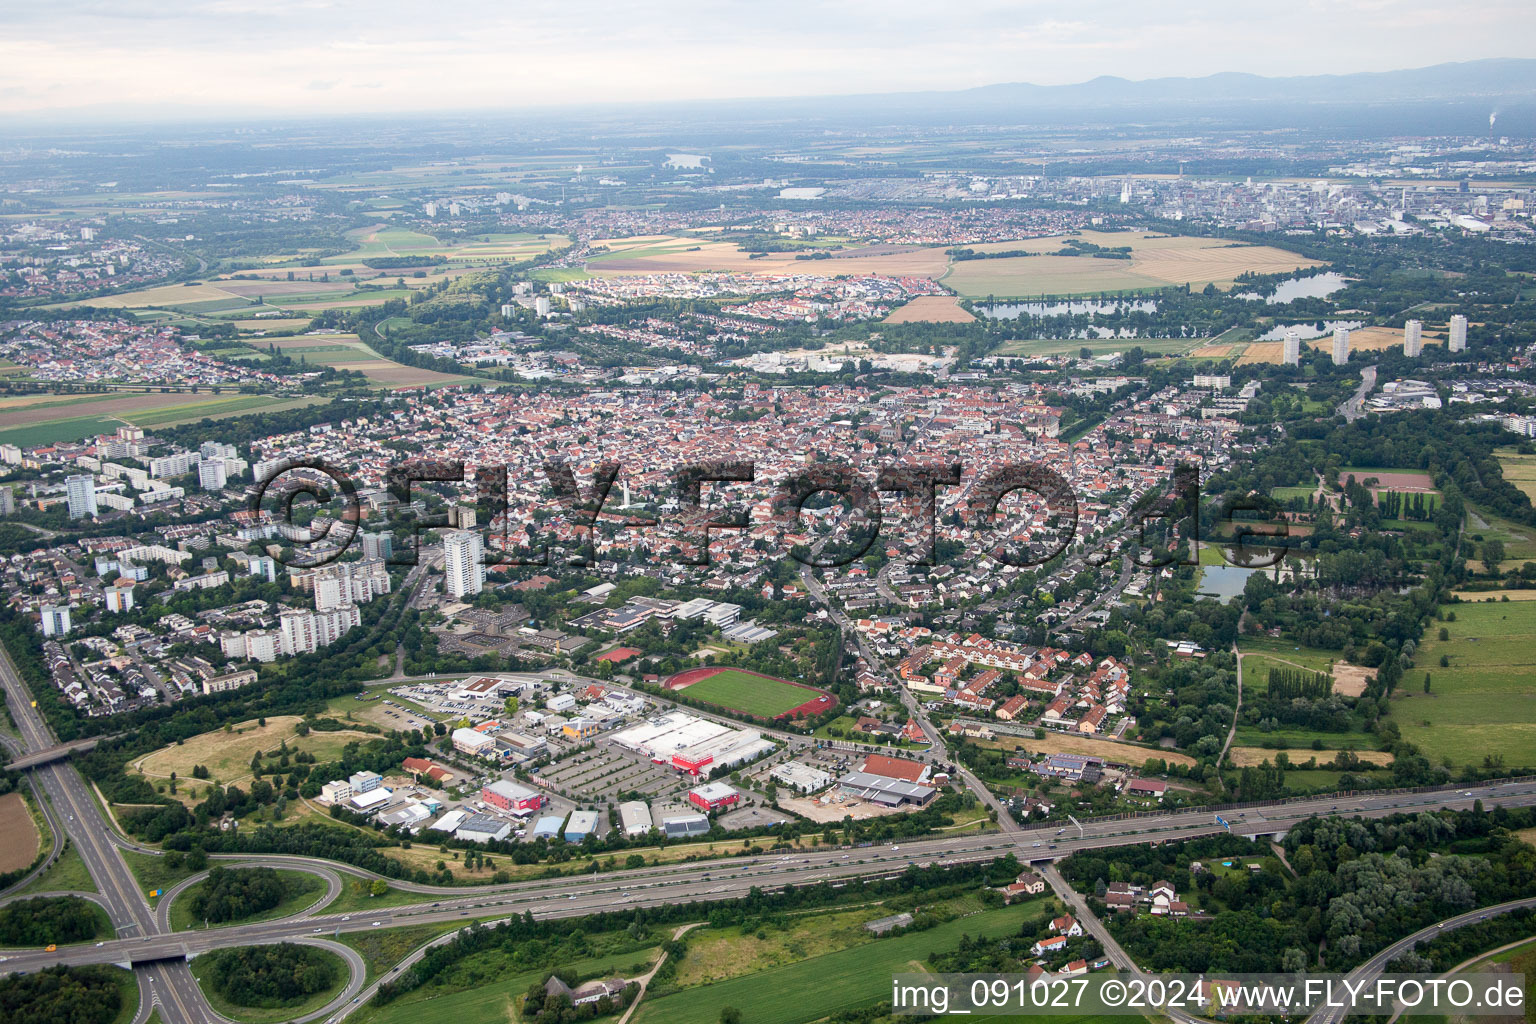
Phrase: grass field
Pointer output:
(18, 833)
(495, 1001)
(1157, 261)
(1519, 541)
(1482, 704)
(262, 1015)
(749, 694)
(67, 874)
(820, 986)
(300, 891)
(227, 755)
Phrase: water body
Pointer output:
(1316, 286)
(1224, 582)
(1013, 310)
(1309, 330)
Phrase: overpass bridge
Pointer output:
(57, 752)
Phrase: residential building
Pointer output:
(462, 564)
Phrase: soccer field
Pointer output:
(749, 693)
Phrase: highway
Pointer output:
(159, 954)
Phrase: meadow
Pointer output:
(821, 986)
(348, 352)
(227, 755)
(1482, 703)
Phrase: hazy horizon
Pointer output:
(291, 59)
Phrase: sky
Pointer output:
(302, 57)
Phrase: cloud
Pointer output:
(276, 54)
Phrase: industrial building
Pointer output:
(482, 828)
(513, 797)
(692, 744)
(580, 825)
(635, 817)
(712, 796)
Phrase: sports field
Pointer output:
(748, 692)
(1484, 702)
(1157, 261)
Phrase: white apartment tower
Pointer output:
(462, 563)
(1413, 338)
(81, 491)
(1458, 336)
(1340, 346)
(1292, 352)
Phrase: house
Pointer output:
(1054, 944)
(1012, 708)
(1154, 788)
(1027, 884)
(1067, 925)
(1074, 969)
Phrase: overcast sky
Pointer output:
(326, 56)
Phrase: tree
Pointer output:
(1426, 682)
(730, 1015)
(1493, 554)
(378, 887)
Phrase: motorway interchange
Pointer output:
(159, 955)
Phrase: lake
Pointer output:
(1315, 286)
(1309, 331)
(1013, 310)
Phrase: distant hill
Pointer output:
(1479, 79)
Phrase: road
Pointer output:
(1354, 406)
(1376, 964)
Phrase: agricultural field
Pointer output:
(227, 755)
(745, 692)
(1157, 261)
(1519, 470)
(817, 986)
(19, 840)
(386, 240)
(1245, 757)
(348, 352)
(43, 419)
(933, 309)
(658, 254)
(1482, 703)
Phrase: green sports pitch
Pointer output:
(744, 692)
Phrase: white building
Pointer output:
(211, 475)
(1340, 346)
(1291, 355)
(55, 619)
(462, 564)
(1413, 338)
(476, 744)
(81, 489)
(1458, 334)
(119, 599)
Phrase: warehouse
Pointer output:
(712, 796)
(800, 777)
(692, 744)
(889, 792)
(506, 795)
(482, 829)
(547, 827)
(581, 825)
(681, 826)
(635, 817)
